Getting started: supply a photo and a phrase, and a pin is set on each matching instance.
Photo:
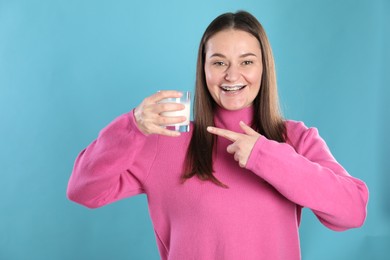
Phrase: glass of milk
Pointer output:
(185, 99)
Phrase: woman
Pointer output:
(233, 188)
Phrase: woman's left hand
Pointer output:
(242, 144)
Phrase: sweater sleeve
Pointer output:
(114, 166)
(305, 172)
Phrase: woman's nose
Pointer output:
(232, 73)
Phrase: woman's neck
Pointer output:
(229, 119)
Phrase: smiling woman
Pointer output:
(233, 68)
(242, 173)
(233, 50)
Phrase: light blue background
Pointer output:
(67, 68)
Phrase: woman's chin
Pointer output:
(233, 106)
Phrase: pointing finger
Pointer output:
(230, 135)
(247, 129)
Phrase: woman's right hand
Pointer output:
(148, 113)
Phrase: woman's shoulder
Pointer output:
(298, 132)
(295, 126)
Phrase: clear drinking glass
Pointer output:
(185, 99)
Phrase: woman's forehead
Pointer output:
(232, 41)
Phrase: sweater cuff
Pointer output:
(133, 123)
(255, 153)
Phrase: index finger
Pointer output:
(230, 135)
(165, 94)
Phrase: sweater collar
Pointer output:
(229, 119)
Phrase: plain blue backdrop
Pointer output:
(67, 68)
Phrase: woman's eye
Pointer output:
(247, 62)
(219, 63)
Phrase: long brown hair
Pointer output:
(267, 119)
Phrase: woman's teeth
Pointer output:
(233, 88)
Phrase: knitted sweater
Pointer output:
(256, 217)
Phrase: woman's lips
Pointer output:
(232, 88)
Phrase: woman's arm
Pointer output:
(306, 173)
(113, 166)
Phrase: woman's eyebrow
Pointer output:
(247, 54)
(241, 56)
(217, 55)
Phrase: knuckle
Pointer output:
(164, 106)
(148, 100)
(164, 120)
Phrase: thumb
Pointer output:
(247, 129)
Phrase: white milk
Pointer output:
(185, 112)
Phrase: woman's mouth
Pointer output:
(232, 88)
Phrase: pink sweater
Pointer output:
(257, 217)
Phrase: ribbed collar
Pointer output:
(229, 119)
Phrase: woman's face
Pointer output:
(233, 68)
